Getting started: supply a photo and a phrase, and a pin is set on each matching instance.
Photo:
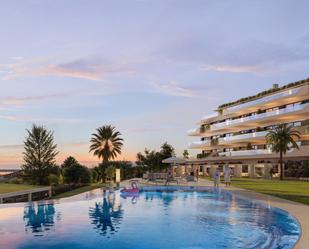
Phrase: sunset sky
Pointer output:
(151, 68)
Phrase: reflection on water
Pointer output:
(39, 218)
(131, 196)
(159, 219)
(107, 216)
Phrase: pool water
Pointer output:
(153, 219)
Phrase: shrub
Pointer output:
(306, 170)
(77, 174)
(110, 172)
(94, 175)
(16, 180)
(53, 180)
(66, 187)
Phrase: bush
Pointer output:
(16, 180)
(110, 172)
(297, 169)
(53, 180)
(77, 174)
(94, 175)
(66, 187)
(306, 170)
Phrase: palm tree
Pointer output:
(281, 139)
(106, 144)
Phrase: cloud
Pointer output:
(43, 119)
(174, 89)
(11, 146)
(72, 73)
(85, 68)
(237, 56)
(18, 101)
(230, 68)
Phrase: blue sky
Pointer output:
(151, 68)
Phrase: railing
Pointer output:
(193, 132)
(243, 136)
(198, 144)
(259, 116)
(245, 152)
(255, 152)
(213, 115)
(265, 99)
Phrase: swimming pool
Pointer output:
(157, 218)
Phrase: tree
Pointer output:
(153, 159)
(95, 174)
(106, 144)
(167, 150)
(39, 155)
(69, 161)
(281, 139)
(77, 174)
(185, 154)
(74, 172)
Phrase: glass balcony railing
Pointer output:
(213, 115)
(243, 136)
(264, 99)
(198, 144)
(193, 132)
(246, 152)
(254, 152)
(258, 116)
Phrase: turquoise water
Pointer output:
(153, 219)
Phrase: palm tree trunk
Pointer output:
(103, 170)
(281, 165)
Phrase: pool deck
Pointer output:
(298, 210)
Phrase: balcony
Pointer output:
(209, 117)
(260, 101)
(258, 117)
(194, 132)
(199, 144)
(246, 152)
(255, 152)
(248, 136)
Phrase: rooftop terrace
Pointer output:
(264, 93)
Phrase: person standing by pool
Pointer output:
(217, 178)
(227, 175)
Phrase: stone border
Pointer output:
(299, 211)
(28, 192)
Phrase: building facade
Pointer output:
(236, 133)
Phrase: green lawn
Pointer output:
(7, 187)
(291, 190)
(79, 190)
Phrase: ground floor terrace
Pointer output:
(264, 167)
(258, 170)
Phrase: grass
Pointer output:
(8, 187)
(79, 190)
(291, 190)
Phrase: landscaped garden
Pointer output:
(291, 190)
(9, 187)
